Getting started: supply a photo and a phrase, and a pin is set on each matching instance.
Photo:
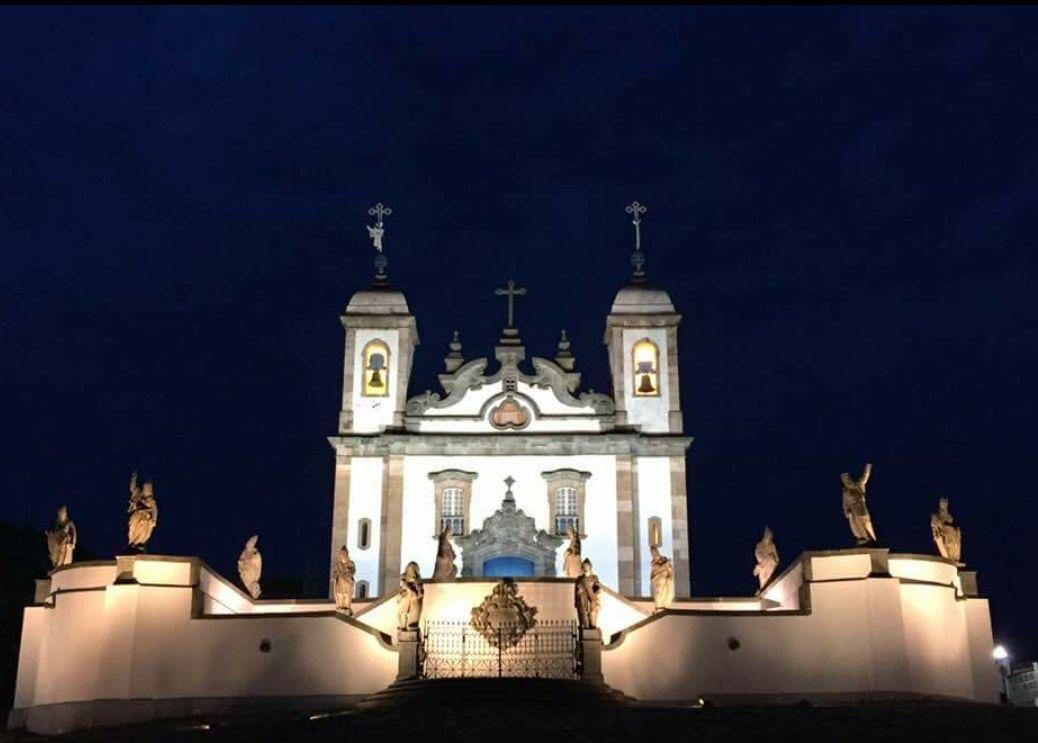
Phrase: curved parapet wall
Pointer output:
(842, 624)
(130, 640)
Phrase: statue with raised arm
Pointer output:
(946, 535)
(61, 539)
(343, 581)
(144, 514)
(767, 557)
(854, 507)
(250, 567)
(662, 579)
(445, 568)
(410, 598)
(588, 603)
(571, 566)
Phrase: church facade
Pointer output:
(610, 466)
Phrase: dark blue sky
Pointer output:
(842, 205)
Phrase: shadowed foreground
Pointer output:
(518, 720)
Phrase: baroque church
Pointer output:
(612, 467)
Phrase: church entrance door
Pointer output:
(508, 567)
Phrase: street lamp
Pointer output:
(1001, 656)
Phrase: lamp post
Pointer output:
(1001, 656)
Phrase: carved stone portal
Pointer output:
(508, 533)
(504, 616)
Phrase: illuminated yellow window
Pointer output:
(376, 369)
(655, 531)
(646, 368)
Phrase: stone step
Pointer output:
(468, 691)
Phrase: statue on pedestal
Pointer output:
(61, 539)
(854, 507)
(144, 514)
(343, 581)
(587, 600)
(662, 579)
(250, 567)
(445, 568)
(767, 557)
(409, 599)
(946, 535)
(571, 559)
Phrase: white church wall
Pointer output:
(370, 414)
(530, 491)
(650, 413)
(859, 636)
(474, 401)
(366, 503)
(653, 500)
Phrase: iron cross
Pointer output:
(511, 291)
(636, 211)
(378, 211)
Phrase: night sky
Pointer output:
(841, 205)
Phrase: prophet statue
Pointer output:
(571, 565)
(409, 599)
(854, 507)
(767, 557)
(250, 567)
(144, 514)
(343, 581)
(61, 539)
(946, 535)
(662, 579)
(445, 568)
(588, 602)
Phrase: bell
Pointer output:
(376, 379)
(646, 385)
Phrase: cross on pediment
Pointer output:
(511, 291)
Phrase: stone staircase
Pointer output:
(495, 691)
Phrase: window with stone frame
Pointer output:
(362, 589)
(364, 533)
(452, 493)
(567, 491)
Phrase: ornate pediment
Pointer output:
(504, 616)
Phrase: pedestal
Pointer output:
(591, 655)
(408, 643)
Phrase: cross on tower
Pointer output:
(511, 291)
(636, 211)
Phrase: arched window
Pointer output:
(567, 512)
(645, 365)
(452, 510)
(364, 534)
(362, 589)
(376, 369)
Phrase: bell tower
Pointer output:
(642, 338)
(381, 335)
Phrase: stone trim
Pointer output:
(625, 531)
(340, 513)
(392, 522)
(399, 442)
(564, 478)
(675, 421)
(679, 527)
(452, 479)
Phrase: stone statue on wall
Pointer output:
(854, 507)
(250, 567)
(946, 535)
(409, 599)
(61, 539)
(343, 581)
(445, 568)
(587, 599)
(767, 557)
(571, 559)
(662, 579)
(144, 514)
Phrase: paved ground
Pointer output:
(919, 722)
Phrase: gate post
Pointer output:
(591, 655)
(408, 643)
